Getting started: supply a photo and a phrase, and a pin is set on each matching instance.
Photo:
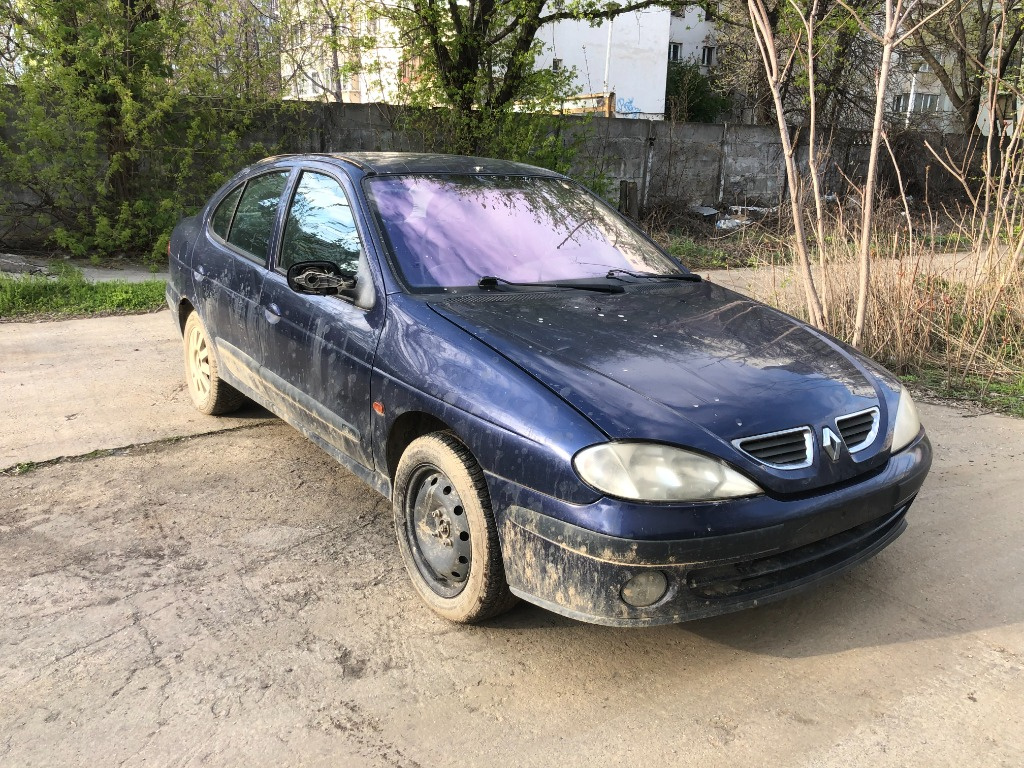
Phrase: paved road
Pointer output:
(16, 264)
(235, 598)
(768, 283)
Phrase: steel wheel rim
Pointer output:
(437, 531)
(199, 363)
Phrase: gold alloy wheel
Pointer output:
(198, 364)
(210, 394)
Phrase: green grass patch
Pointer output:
(67, 294)
(1000, 396)
(698, 255)
(750, 247)
(949, 241)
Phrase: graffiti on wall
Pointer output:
(626, 108)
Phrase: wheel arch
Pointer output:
(185, 309)
(408, 427)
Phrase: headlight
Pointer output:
(652, 472)
(908, 423)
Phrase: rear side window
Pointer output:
(320, 226)
(221, 222)
(254, 217)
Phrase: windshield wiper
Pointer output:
(490, 282)
(688, 277)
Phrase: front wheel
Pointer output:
(446, 531)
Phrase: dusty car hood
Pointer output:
(668, 361)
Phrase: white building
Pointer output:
(692, 38)
(917, 98)
(319, 63)
(625, 56)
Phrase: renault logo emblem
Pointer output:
(831, 443)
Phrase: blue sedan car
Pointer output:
(558, 410)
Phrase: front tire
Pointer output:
(446, 531)
(210, 394)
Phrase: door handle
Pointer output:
(272, 313)
(200, 273)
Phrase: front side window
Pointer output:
(449, 231)
(254, 217)
(320, 225)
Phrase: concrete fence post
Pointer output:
(629, 199)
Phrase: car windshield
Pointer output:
(451, 231)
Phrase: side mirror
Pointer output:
(319, 278)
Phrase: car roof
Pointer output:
(421, 162)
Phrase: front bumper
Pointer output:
(580, 573)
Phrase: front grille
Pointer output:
(769, 574)
(790, 449)
(858, 429)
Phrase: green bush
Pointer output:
(106, 144)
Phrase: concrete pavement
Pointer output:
(235, 598)
(77, 386)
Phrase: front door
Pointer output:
(318, 350)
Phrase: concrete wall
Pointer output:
(688, 163)
(676, 162)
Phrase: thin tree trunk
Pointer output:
(769, 55)
(812, 157)
(868, 203)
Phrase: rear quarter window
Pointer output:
(221, 221)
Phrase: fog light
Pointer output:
(644, 589)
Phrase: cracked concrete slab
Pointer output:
(77, 386)
(236, 598)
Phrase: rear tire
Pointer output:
(210, 394)
(446, 531)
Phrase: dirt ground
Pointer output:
(234, 597)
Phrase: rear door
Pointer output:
(319, 349)
(228, 271)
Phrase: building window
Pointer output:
(409, 68)
(707, 56)
(923, 102)
(675, 52)
(556, 65)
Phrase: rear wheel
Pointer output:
(209, 392)
(446, 531)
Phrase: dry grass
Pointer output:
(961, 314)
